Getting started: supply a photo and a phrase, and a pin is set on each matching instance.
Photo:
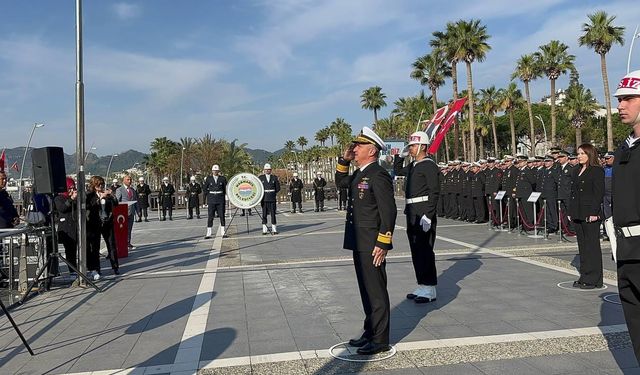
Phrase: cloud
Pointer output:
(125, 11)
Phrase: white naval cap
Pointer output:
(629, 84)
(419, 138)
(267, 166)
(141, 179)
(369, 136)
(215, 167)
(193, 178)
(165, 178)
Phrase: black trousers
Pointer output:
(629, 289)
(194, 203)
(480, 208)
(70, 248)
(551, 214)
(526, 211)
(110, 240)
(215, 207)
(130, 221)
(166, 208)
(93, 249)
(372, 283)
(298, 204)
(142, 211)
(422, 255)
(269, 208)
(343, 201)
(319, 204)
(590, 252)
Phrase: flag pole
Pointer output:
(82, 204)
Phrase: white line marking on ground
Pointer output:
(521, 259)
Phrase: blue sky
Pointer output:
(261, 71)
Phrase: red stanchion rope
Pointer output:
(525, 224)
(565, 225)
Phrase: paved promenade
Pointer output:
(254, 304)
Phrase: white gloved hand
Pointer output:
(425, 222)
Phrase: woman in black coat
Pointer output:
(67, 223)
(100, 203)
(587, 192)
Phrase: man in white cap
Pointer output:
(271, 186)
(215, 188)
(193, 194)
(371, 218)
(295, 189)
(166, 198)
(318, 191)
(114, 185)
(144, 192)
(421, 192)
(626, 205)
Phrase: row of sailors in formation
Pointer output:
(468, 190)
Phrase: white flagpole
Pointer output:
(635, 36)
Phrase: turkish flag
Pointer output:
(14, 166)
(450, 117)
(432, 126)
(2, 161)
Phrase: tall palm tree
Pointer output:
(431, 70)
(302, 141)
(322, 135)
(373, 99)
(600, 34)
(482, 131)
(490, 104)
(578, 105)
(446, 42)
(472, 43)
(554, 60)
(527, 70)
(511, 100)
(235, 158)
(289, 146)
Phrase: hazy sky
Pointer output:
(261, 71)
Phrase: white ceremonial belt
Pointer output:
(270, 191)
(629, 231)
(215, 192)
(417, 199)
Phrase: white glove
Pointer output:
(425, 222)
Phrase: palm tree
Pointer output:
(235, 158)
(472, 43)
(431, 70)
(578, 105)
(482, 131)
(554, 60)
(322, 135)
(373, 99)
(289, 146)
(208, 151)
(490, 104)
(511, 100)
(600, 35)
(302, 141)
(527, 70)
(446, 42)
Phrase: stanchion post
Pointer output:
(509, 213)
(501, 218)
(544, 210)
(535, 220)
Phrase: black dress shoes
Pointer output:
(358, 343)
(411, 296)
(578, 284)
(373, 348)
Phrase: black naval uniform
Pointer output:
(271, 189)
(422, 192)
(143, 190)
(371, 217)
(215, 188)
(442, 202)
(626, 215)
(478, 181)
(342, 198)
(549, 189)
(565, 178)
(509, 178)
(318, 192)
(295, 189)
(466, 204)
(493, 180)
(166, 200)
(193, 193)
(525, 185)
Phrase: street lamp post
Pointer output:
(109, 167)
(636, 35)
(24, 157)
(181, 162)
(86, 155)
(545, 134)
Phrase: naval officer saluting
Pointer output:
(371, 218)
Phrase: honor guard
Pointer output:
(166, 198)
(549, 192)
(608, 177)
(215, 188)
(442, 177)
(524, 187)
(626, 205)
(478, 198)
(565, 179)
(509, 178)
(271, 186)
(422, 192)
(371, 216)
(493, 181)
(295, 189)
(144, 192)
(193, 194)
(342, 198)
(318, 191)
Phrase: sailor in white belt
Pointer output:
(422, 190)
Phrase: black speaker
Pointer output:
(49, 175)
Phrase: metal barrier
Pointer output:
(21, 256)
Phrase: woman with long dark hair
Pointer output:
(587, 192)
(100, 203)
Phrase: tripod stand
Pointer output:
(247, 217)
(54, 254)
(15, 327)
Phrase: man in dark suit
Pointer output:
(271, 186)
(127, 194)
(421, 192)
(215, 188)
(371, 216)
(626, 205)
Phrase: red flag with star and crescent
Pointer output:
(14, 166)
(2, 161)
(450, 118)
